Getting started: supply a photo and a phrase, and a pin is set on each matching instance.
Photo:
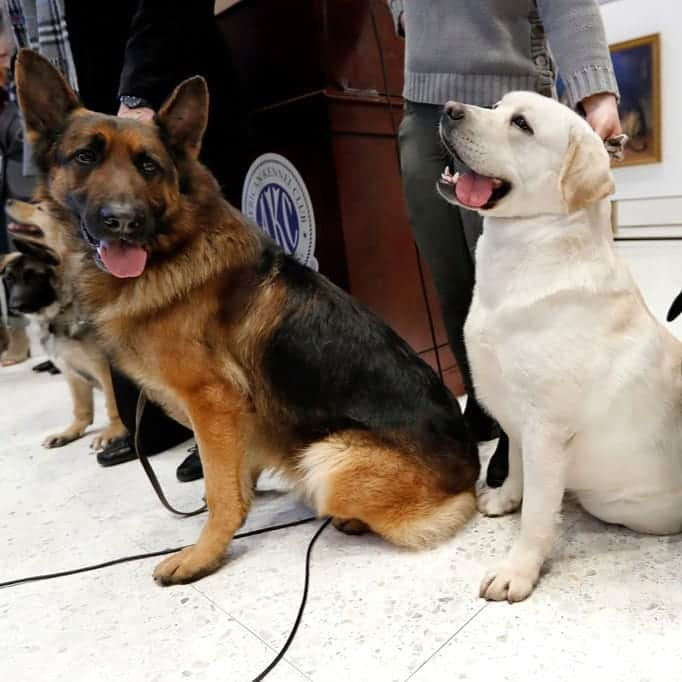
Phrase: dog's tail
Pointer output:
(427, 525)
(348, 476)
(675, 308)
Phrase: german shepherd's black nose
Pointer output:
(122, 220)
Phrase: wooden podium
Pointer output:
(322, 80)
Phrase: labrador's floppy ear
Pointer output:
(45, 97)
(184, 115)
(586, 174)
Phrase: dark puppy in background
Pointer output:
(38, 286)
(269, 363)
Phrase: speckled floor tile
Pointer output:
(609, 607)
(375, 611)
(114, 626)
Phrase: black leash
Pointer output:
(139, 557)
(304, 597)
(301, 608)
(148, 555)
(394, 128)
(156, 485)
(148, 469)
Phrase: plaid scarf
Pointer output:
(41, 25)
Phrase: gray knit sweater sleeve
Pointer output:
(397, 8)
(576, 37)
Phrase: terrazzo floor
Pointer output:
(610, 607)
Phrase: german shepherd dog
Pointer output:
(269, 363)
(39, 286)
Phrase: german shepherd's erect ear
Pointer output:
(44, 96)
(184, 115)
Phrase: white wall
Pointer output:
(656, 266)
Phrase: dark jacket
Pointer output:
(145, 48)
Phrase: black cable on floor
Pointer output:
(304, 597)
(301, 608)
(138, 557)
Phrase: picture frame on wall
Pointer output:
(637, 65)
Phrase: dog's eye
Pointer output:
(521, 123)
(148, 166)
(85, 157)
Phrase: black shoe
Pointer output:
(190, 469)
(498, 467)
(481, 425)
(46, 366)
(121, 450)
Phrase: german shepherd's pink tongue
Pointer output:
(473, 189)
(122, 259)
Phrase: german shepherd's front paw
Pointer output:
(57, 440)
(187, 565)
(107, 436)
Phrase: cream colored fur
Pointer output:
(564, 352)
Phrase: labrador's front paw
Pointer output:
(509, 582)
(498, 501)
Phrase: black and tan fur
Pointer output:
(39, 286)
(270, 363)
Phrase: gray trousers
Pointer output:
(445, 234)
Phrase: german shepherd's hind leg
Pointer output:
(361, 482)
(83, 411)
(227, 476)
(115, 429)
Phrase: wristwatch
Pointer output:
(133, 102)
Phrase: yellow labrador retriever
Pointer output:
(563, 350)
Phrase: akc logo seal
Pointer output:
(276, 198)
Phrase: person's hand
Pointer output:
(601, 112)
(141, 113)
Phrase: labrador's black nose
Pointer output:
(454, 111)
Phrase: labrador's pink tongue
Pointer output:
(473, 189)
(122, 259)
